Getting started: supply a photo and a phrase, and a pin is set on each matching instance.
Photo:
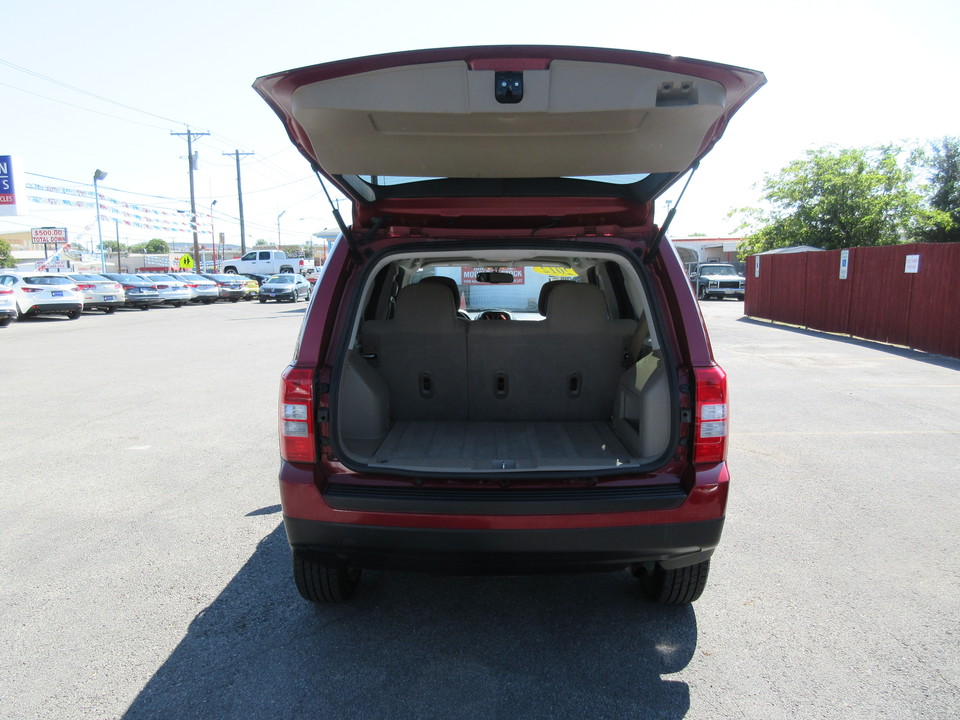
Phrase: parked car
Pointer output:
(590, 437)
(40, 293)
(260, 278)
(8, 306)
(718, 280)
(229, 287)
(202, 290)
(288, 286)
(173, 291)
(99, 292)
(137, 292)
(252, 287)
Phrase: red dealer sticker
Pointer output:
(470, 274)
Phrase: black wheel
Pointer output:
(144, 307)
(321, 583)
(675, 587)
(109, 311)
(263, 300)
(234, 299)
(702, 292)
(6, 320)
(74, 314)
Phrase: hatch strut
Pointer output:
(336, 213)
(666, 223)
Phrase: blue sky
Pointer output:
(103, 84)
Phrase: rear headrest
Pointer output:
(446, 282)
(428, 304)
(545, 293)
(573, 304)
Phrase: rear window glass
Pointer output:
(522, 295)
(46, 280)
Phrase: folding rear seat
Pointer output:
(566, 367)
(421, 353)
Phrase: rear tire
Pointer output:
(675, 587)
(4, 321)
(321, 583)
(74, 314)
(109, 311)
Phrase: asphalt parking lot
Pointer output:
(145, 573)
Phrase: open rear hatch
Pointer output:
(540, 162)
(447, 137)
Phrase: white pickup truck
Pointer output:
(268, 262)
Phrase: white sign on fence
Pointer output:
(844, 263)
(912, 264)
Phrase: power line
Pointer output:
(84, 92)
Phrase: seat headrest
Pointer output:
(446, 282)
(429, 304)
(575, 304)
(545, 293)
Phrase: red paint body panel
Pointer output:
(301, 498)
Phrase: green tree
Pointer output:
(151, 247)
(838, 198)
(6, 257)
(158, 247)
(943, 164)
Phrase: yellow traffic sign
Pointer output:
(186, 262)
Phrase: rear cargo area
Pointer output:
(485, 446)
(429, 388)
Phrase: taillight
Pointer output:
(710, 425)
(297, 429)
(5, 291)
(31, 290)
(84, 286)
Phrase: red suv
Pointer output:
(503, 368)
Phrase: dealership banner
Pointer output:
(12, 189)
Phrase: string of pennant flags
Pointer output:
(131, 214)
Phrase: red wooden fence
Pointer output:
(878, 300)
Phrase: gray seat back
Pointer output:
(421, 353)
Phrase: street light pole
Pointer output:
(279, 243)
(97, 176)
(213, 237)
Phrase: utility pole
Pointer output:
(192, 162)
(243, 233)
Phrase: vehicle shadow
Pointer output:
(416, 646)
(904, 352)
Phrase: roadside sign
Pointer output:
(48, 236)
(11, 185)
(186, 262)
